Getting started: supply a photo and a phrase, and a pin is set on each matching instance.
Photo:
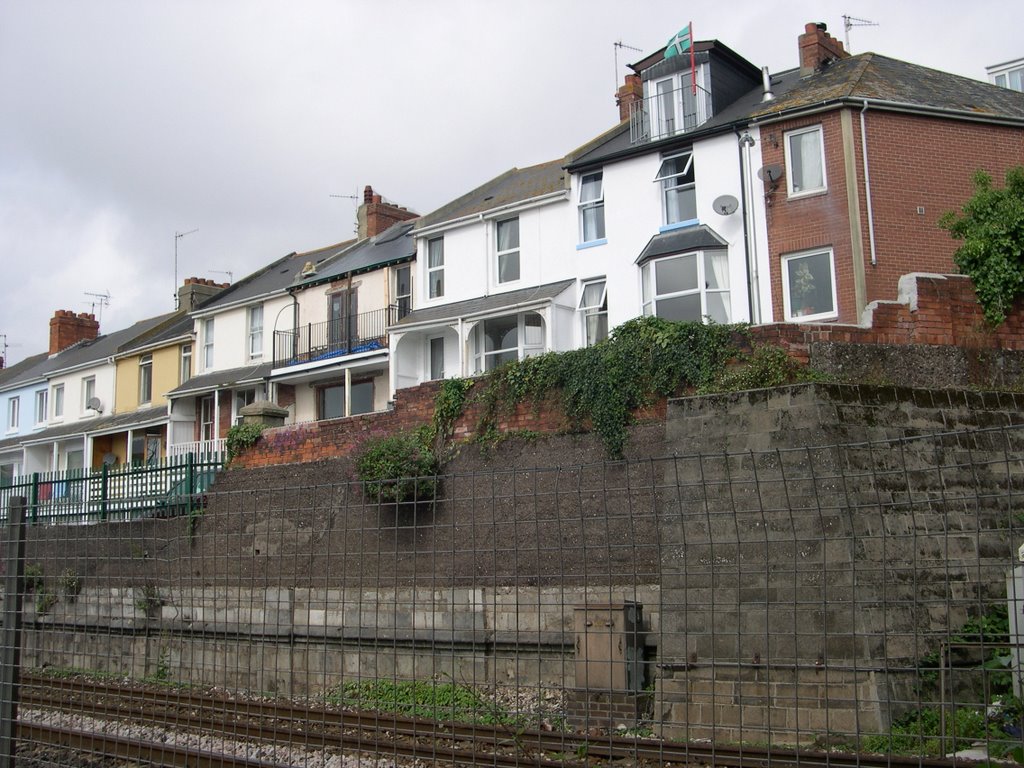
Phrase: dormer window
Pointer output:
(672, 104)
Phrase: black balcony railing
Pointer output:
(334, 338)
(669, 113)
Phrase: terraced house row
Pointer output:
(723, 192)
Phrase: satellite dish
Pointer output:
(770, 173)
(725, 205)
(94, 403)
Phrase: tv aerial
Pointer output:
(100, 300)
(617, 45)
(852, 21)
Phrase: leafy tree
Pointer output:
(991, 227)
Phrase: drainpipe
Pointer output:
(746, 141)
(867, 185)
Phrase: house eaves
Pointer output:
(471, 309)
(491, 213)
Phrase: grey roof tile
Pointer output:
(226, 378)
(484, 304)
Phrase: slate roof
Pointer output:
(876, 77)
(93, 350)
(458, 309)
(276, 276)
(95, 425)
(394, 245)
(514, 186)
(679, 240)
(20, 369)
(225, 378)
(879, 79)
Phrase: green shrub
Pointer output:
(33, 577)
(241, 437)
(421, 698)
(70, 584)
(398, 468)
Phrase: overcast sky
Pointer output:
(126, 122)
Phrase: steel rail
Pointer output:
(348, 730)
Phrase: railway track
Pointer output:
(315, 727)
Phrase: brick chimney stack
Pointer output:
(195, 290)
(818, 48)
(67, 328)
(630, 92)
(375, 215)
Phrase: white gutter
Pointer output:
(331, 364)
(481, 314)
(519, 205)
(889, 106)
(867, 185)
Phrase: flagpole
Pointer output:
(693, 66)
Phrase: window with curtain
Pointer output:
(145, 378)
(58, 401)
(688, 287)
(508, 250)
(208, 327)
(592, 207)
(593, 308)
(805, 161)
(435, 267)
(256, 331)
(809, 286)
(678, 188)
(505, 339)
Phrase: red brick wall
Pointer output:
(947, 313)
(914, 161)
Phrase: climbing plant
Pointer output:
(242, 437)
(991, 228)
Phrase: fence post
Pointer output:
(10, 651)
(104, 487)
(190, 478)
(35, 497)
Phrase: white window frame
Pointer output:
(791, 179)
(650, 297)
(254, 316)
(597, 309)
(435, 267)
(668, 184)
(593, 204)
(481, 355)
(209, 332)
(403, 301)
(185, 364)
(145, 379)
(668, 99)
(58, 401)
(88, 392)
(13, 413)
(507, 255)
(42, 402)
(792, 315)
(435, 342)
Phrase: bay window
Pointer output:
(688, 287)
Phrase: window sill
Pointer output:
(678, 225)
(592, 244)
(818, 318)
(808, 193)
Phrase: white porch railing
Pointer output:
(201, 449)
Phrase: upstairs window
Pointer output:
(805, 162)
(256, 331)
(88, 392)
(145, 378)
(185, 369)
(403, 290)
(13, 413)
(41, 406)
(508, 250)
(208, 329)
(592, 207)
(435, 267)
(58, 401)
(593, 309)
(678, 189)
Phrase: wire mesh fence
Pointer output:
(860, 599)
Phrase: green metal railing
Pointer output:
(170, 487)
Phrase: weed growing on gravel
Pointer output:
(422, 698)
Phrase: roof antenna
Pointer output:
(101, 300)
(619, 44)
(228, 272)
(355, 229)
(177, 237)
(853, 21)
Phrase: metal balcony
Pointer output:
(668, 113)
(334, 338)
